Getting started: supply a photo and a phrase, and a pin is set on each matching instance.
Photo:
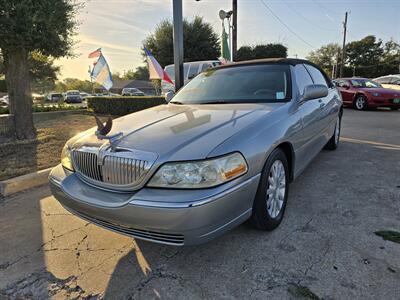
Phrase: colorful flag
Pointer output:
(101, 73)
(225, 52)
(155, 70)
(95, 53)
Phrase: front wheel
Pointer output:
(360, 103)
(333, 143)
(272, 193)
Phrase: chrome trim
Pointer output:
(195, 203)
(113, 169)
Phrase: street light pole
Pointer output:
(178, 43)
(234, 30)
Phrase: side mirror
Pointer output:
(169, 95)
(314, 91)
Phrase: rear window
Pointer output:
(244, 84)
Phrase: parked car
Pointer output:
(85, 95)
(389, 81)
(4, 101)
(222, 151)
(190, 70)
(54, 97)
(362, 93)
(132, 92)
(73, 97)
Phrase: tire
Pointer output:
(333, 142)
(394, 108)
(360, 103)
(264, 216)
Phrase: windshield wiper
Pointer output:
(177, 102)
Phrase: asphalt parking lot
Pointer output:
(326, 246)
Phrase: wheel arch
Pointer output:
(288, 150)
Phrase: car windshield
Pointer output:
(73, 93)
(240, 84)
(364, 83)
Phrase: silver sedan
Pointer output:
(222, 151)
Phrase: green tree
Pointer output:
(199, 39)
(43, 26)
(326, 57)
(75, 84)
(141, 73)
(365, 52)
(261, 51)
(43, 73)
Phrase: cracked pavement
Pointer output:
(325, 244)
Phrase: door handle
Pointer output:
(321, 103)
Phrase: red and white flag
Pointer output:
(95, 53)
(155, 70)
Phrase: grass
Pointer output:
(389, 235)
(22, 157)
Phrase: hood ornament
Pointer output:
(103, 130)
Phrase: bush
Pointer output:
(44, 108)
(122, 105)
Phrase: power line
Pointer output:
(315, 24)
(284, 24)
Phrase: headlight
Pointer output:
(66, 158)
(199, 174)
(375, 94)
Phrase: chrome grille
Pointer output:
(110, 169)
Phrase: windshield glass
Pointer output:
(365, 83)
(170, 70)
(252, 83)
(73, 93)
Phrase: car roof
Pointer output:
(198, 61)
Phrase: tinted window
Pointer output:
(170, 70)
(316, 75)
(303, 78)
(205, 67)
(253, 83)
(193, 70)
(364, 83)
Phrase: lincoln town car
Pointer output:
(221, 151)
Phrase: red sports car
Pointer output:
(363, 93)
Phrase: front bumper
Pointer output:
(202, 216)
(382, 102)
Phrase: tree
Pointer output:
(366, 52)
(261, 51)
(42, 72)
(75, 84)
(141, 73)
(326, 57)
(28, 26)
(199, 39)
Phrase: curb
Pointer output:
(24, 182)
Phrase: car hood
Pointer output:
(383, 91)
(180, 132)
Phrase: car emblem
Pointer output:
(103, 130)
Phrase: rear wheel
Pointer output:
(360, 103)
(272, 193)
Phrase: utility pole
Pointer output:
(344, 44)
(178, 43)
(234, 30)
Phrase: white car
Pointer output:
(190, 70)
(389, 81)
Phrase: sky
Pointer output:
(120, 26)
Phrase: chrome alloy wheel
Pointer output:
(276, 188)
(360, 102)
(337, 130)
